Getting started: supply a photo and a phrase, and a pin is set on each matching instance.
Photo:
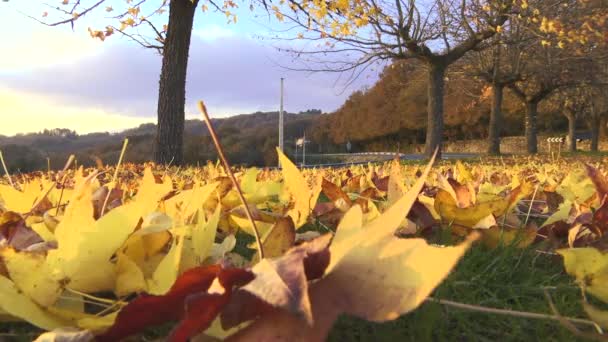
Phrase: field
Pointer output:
(483, 249)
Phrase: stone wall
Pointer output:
(515, 145)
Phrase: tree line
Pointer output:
(533, 48)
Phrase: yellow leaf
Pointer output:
(576, 187)
(598, 316)
(219, 250)
(467, 217)
(22, 201)
(129, 277)
(396, 189)
(463, 176)
(562, 213)
(17, 304)
(590, 268)
(278, 240)
(244, 224)
(304, 197)
(97, 323)
(369, 259)
(31, 275)
(496, 236)
(203, 235)
(42, 229)
(185, 204)
(167, 271)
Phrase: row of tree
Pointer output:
(532, 47)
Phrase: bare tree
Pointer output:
(172, 41)
(437, 32)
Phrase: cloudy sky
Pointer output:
(55, 77)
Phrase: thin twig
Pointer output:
(531, 203)
(567, 323)
(507, 312)
(220, 152)
(8, 175)
(63, 180)
(122, 154)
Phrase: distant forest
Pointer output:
(390, 113)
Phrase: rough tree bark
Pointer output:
(571, 116)
(435, 92)
(172, 85)
(495, 119)
(595, 136)
(530, 122)
(595, 123)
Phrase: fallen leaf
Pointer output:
(66, 335)
(598, 316)
(590, 268)
(149, 310)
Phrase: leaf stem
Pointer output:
(220, 152)
(507, 312)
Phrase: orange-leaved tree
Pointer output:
(361, 32)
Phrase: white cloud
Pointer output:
(24, 112)
(45, 47)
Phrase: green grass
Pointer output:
(505, 278)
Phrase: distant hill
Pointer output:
(248, 139)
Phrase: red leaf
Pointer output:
(149, 310)
(202, 308)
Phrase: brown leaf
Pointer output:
(599, 180)
(280, 283)
(16, 233)
(336, 195)
(323, 208)
(553, 200)
(600, 220)
(421, 215)
(380, 183)
(463, 196)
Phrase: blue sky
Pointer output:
(55, 77)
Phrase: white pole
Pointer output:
(304, 150)
(281, 121)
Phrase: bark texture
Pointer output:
(530, 123)
(495, 119)
(172, 85)
(571, 131)
(434, 130)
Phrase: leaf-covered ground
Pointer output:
(375, 241)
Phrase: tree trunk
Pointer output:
(434, 129)
(595, 133)
(531, 114)
(571, 131)
(172, 84)
(495, 119)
